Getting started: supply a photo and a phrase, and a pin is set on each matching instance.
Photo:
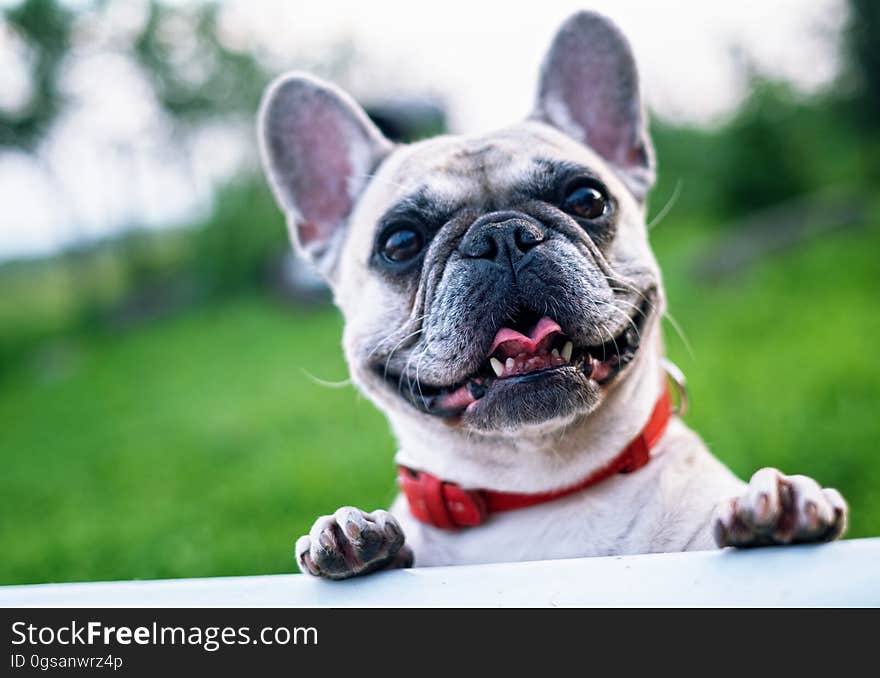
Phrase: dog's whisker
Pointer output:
(390, 355)
(629, 304)
(616, 349)
(681, 335)
(667, 208)
(611, 335)
(422, 355)
(604, 328)
(629, 287)
(399, 343)
(382, 344)
(324, 382)
(627, 318)
(408, 375)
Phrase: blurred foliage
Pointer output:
(778, 145)
(233, 250)
(791, 145)
(863, 52)
(144, 275)
(193, 74)
(767, 136)
(194, 79)
(45, 27)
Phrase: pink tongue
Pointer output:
(511, 343)
(458, 399)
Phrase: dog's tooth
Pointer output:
(555, 353)
(589, 366)
(566, 351)
(497, 366)
(508, 364)
(632, 337)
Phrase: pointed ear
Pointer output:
(318, 149)
(589, 89)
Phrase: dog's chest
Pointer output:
(665, 506)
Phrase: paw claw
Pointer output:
(779, 509)
(811, 515)
(326, 540)
(762, 509)
(719, 532)
(351, 543)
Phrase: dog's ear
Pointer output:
(589, 89)
(318, 148)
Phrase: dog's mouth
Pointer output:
(528, 350)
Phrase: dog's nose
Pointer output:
(501, 238)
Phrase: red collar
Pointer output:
(449, 506)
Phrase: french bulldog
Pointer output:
(502, 307)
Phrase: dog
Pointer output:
(502, 307)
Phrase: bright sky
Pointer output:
(481, 57)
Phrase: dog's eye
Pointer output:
(585, 200)
(402, 244)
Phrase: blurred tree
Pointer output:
(196, 77)
(193, 74)
(243, 235)
(863, 52)
(45, 28)
(763, 161)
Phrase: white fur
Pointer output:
(664, 506)
(669, 505)
(672, 504)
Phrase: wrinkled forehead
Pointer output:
(453, 169)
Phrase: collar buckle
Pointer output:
(441, 504)
(676, 377)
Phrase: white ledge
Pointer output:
(845, 573)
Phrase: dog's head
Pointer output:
(498, 282)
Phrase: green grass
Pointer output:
(193, 447)
(784, 370)
(198, 446)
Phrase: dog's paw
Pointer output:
(350, 543)
(780, 509)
